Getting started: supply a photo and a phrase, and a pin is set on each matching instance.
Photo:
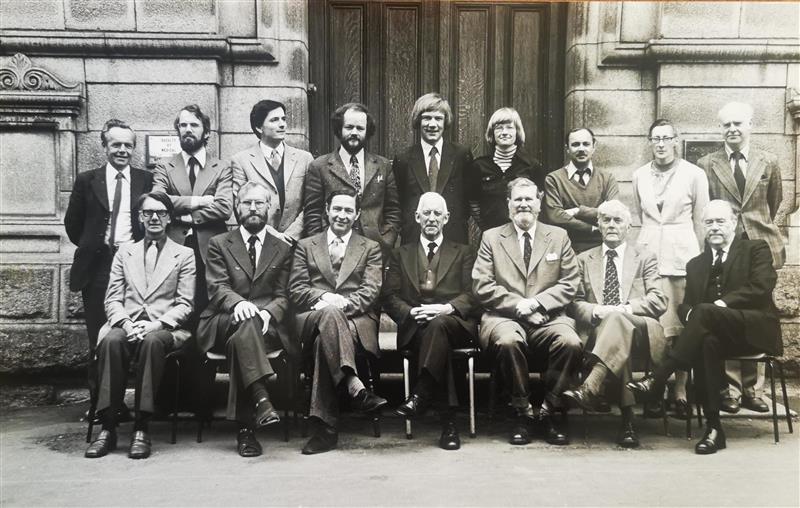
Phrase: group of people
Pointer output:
(322, 246)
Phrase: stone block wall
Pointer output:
(628, 63)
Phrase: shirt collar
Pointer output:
(620, 249)
(111, 172)
(571, 169)
(426, 147)
(521, 231)
(345, 238)
(159, 243)
(438, 241)
(345, 156)
(267, 150)
(247, 234)
(745, 151)
(200, 156)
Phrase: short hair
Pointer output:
(578, 129)
(431, 102)
(259, 113)
(337, 118)
(110, 124)
(660, 122)
(246, 187)
(727, 204)
(343, 192)
(196, 111)
(432, 195)
(505, 115)
(520, 181)
(736, 106)
(159, 196)
(612, 206)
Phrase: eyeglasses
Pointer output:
(148, 214)
(258, 204)
(664, 139)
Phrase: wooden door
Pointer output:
(480, 55)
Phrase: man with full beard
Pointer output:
(352, 167)
(201, 190)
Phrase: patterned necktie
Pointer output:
(611, 289)
(336, 253)
(738, 174)
(115, 210)
(431, 247)
(433, 168)
(579, 174)
(716, 268)
(355, 175)
(526, 251)
(150, 257)
(193, 163)
(275, 159)
(251, 250)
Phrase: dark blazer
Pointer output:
(487, 186)
(87, 218)
(230, 279)
(748, 279)
(411, 176)
(380, 206)
(359, 280)
(453, 285)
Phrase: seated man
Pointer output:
(524, 276)
(428, 294)
(247, 272)
(149, 298)
(728, 311)
(618, 304)
(334, 284)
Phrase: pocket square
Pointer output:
(551, 256)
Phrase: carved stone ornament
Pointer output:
(22, 75)
(793, 103)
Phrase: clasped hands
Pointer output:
(528, 310)
(428, 311)
(247, 310)
(138, 329)
(338, 301)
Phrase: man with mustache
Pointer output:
(524, 276)
(352, 167)
(248, 269)
(750, 180)
(433, 164)
(201, 190)
(573, 192)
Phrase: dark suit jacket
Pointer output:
(411, 176)
(230, 279)
(88, 214)
(762, 195)
(215, 179)
(453, 285)
(359, 280)
(748, 279)
(380, 207)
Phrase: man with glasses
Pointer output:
(247, 272)
(148, 301)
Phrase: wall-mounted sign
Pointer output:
(160, 146)
(693, 151)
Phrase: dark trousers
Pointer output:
(200, 287)
(434, 342)
(114, 356)
(94, 311)
(711, 334)
(512, 343)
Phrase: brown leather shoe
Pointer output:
(105, 442)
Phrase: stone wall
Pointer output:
(628, 63)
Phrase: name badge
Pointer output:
(551, 256)
(380, 178)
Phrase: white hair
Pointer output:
(432, 196)
(613, 207)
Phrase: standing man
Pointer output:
(750, 180)
(433, 165)
(573, 192)
(248, 269)
(428, 293)
(101, 217)
(281, 168)
(200, 188)
(524, 276)
(148, 302)
(334, 285)
(617, 308)
(352, 167)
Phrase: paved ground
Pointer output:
(42, 465)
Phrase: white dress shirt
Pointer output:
(571, 170)
(521, 241)
(267, 150)
(743, 163)
(438, 241)
(200, 156)
(426, 152)
(259, 243)
(123, 232)
(345, 156)
(345, 238)
(619, 262)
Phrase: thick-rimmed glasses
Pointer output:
(664, 139)
(148, 214)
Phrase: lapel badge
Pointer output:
(551, 256)
(380, 178)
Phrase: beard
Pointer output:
(524, 219)
(253, 223)
(191, 144)
(351, 148)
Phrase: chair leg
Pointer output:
(774, 402)
(492, 394)
(407, 392)
(471, 369)
(376, 417)
(785, 397)
(206, 408)
(289, 397)
(690, 416)
(174, 436)
(90, 420)
(664, 404)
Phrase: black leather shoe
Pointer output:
(713, 440)
(367, 402)
(140, 445)
(246, 443)
(265, 413)
(105, 442)
(729, 405)
(645, 389)
(681, 411)
(627, 436)
(756, 404)
(550, 432)
(520, 434)
(413, 406)
(582, 398)
(324, 440)
(449, 439)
